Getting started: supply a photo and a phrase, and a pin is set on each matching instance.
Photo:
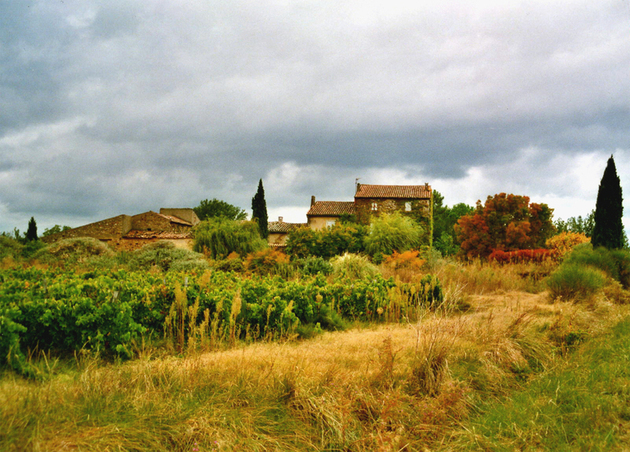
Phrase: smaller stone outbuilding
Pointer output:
(125, 232)
(324, 214)
(279, 231)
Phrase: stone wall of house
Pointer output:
(151, 221)
(365, 211)
(277, 239)
(317, 223)
(109, 229)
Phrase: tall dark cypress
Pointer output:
(31, 232)
(608, 231)
(259, 210)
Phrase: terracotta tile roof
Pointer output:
(156, 235)
(279, 227)
(393, 191)
(331, 208)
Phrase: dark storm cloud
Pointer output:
(124, 106)
(28, 89)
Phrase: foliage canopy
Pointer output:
(393, 232)
(216, 208)
(218, 237)
(444, 221)
(505, 222)
(579, 224)
(55, 230)
(338, 239)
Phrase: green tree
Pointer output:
(31, 232)
(577, 224)
(259, 210)
(394, 232)
(55, 230)
(444, 221)
(218, 237)
(216, 208)
(608, 231)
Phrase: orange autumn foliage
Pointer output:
(506, 222)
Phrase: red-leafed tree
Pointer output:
(505, 222)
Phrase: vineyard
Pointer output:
(112, 311)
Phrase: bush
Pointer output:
(314, 265)
(9, 247)
(622, 259)
(31, 248)
(343, 238)
(575, 282)
(74, 251)
(394, 232)
(564, 242)
(328, 242)
(353, 266)
(268, 262)
(615, 263)
(218, 237)
(232, 263)
(408, 260)
(166, 256)
(303, 243)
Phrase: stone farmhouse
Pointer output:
(129, 233)
(369, 201)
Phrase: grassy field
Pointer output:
(498, 367)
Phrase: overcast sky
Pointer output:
(124, 106)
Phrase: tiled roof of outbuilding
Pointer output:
(393, 191)
(134, 234)
(280, 227)
(331, 208)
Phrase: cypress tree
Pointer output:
(259, 210)
(608, 231)
(31, 232)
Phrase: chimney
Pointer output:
(280, 219)
(312, 200)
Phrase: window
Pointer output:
(330, 223)
(408, 206)
(374, 206)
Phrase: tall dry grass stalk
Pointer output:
(234, 312)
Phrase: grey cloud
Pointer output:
(180, 101)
